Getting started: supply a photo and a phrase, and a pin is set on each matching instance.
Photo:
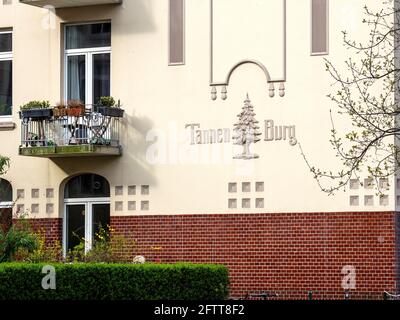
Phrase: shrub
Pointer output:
(107, 101)
(14, 240)
(44, 252)
(91, 281)
(107, 246)
(36, 105)
(17, 238)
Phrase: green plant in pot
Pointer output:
(108, 107)
(36, 110)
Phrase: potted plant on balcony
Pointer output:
(60, 110)
(75, 108)
(36, 110)
(108, 107)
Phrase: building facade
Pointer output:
(178, 171)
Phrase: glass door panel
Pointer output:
(100, 218)
(5, 87)
(88, 36)
(101, 76)
(75, 225)
(76, 75)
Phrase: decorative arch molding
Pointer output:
(257, 63)
(87, 185)
(65, 180)
(224, 84)
(63, 184)
(86, 207)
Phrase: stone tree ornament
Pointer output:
(246, 131)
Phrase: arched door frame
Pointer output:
(7, 206)
(88, 204)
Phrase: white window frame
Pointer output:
(327, 31)
(88, 53)
(7, 56)
(88, 203)
(6, 205)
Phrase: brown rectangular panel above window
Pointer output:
(319, 27)
(176, 32)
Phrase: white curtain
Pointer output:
(74, 65)
(74, 78)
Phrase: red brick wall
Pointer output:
(51, 228)
(289, 253)
(5, 218)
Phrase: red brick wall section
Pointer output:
(288, 253)
(52, 229)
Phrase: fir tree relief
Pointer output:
(246, 131)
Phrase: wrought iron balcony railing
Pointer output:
(89, 132)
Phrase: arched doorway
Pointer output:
(86, 208)
(6, 204)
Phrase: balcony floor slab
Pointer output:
(70, 151)
(69, 3)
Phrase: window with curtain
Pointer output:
(88, 56)
(6, 58)
(319, 28)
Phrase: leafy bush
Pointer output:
(35, 105)
(115, 282)
(107, 101)
(43, 252)
(20, 242)
(107, 247)
(14, 240)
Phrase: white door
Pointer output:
(83, 218)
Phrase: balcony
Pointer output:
(69, 3)
(88, 133)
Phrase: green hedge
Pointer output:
(182, 281)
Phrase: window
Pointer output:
(6, 57)
(87, 62)
(87, 186)
(319, 27)
(5, 204)
(176, 32)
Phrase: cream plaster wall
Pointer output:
(159, 97)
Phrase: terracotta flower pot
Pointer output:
(75, 111)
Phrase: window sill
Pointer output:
(7, 124)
